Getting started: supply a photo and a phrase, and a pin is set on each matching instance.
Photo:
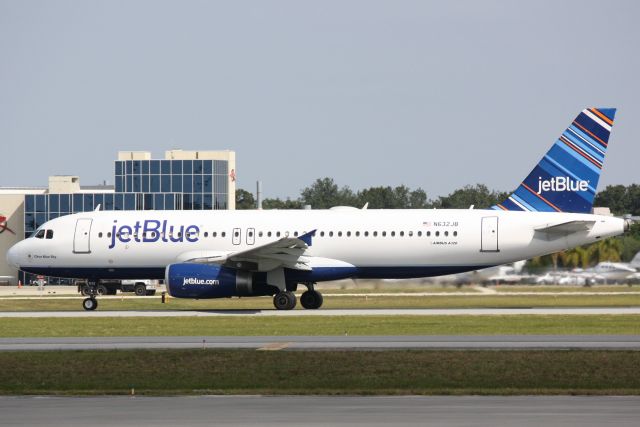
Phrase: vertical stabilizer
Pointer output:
(567, 177)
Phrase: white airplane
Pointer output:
(496, 274)
(608, 272)
(215, 254)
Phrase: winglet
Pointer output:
(307, 237)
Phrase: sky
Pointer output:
(430, 94)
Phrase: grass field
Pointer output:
(364, 301)
(173, 372)
(333, 325)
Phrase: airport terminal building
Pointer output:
(183, 180)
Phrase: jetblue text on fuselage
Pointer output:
(153, 230)
(561, 183)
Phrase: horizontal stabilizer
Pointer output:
(567, 227)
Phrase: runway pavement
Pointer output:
(331, 312)
(273, 343)
(447, 411)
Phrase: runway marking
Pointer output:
(275, 346)
(323, 342)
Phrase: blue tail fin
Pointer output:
(566, 178)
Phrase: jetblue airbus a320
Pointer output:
(215, 254)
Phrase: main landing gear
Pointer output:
(310, 299)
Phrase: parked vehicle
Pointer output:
(111, 287)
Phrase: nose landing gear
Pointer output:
(90, 303)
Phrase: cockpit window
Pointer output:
(39, 234)
(49, 234)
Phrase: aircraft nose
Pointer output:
(13, 256)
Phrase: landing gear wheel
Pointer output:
(90, 304)
(284, 300)
(311, 300)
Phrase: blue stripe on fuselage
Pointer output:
(319, 274)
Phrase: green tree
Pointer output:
(477, 195)
(576, 257)
(244, 199)
(281, 204)
(324, 194)
(614, 197)
(605, 250)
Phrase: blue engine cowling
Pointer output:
(200, 281)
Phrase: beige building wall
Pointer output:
(11, 232)
(59, 184)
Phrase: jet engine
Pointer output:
(201, 281)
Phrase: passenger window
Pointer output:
(437, 233)
(49, 234)
(295, 234)
(206, 234)
(366, 234)
(401, 233)
(277, 234)
(384, 234)
(322, 234)
(259, 233)
(269, 234)
(375, 234)
(348, 234)
(109, 234)
(100, 234)
(214, 234)
(223, 234)
(357, 234)
(428, 234)
(455, 233)
(331, 234)
(419, 233)
(339, 233)
(446, 233)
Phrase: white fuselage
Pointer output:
(350, 242)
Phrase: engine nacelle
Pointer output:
(190, 280)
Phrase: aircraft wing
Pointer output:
(285, 252)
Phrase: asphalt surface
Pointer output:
(501, 342)
(447, 411)
(330, 312)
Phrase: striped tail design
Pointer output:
(566, 178)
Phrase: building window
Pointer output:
(165, 167)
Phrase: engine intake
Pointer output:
(201, 281)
